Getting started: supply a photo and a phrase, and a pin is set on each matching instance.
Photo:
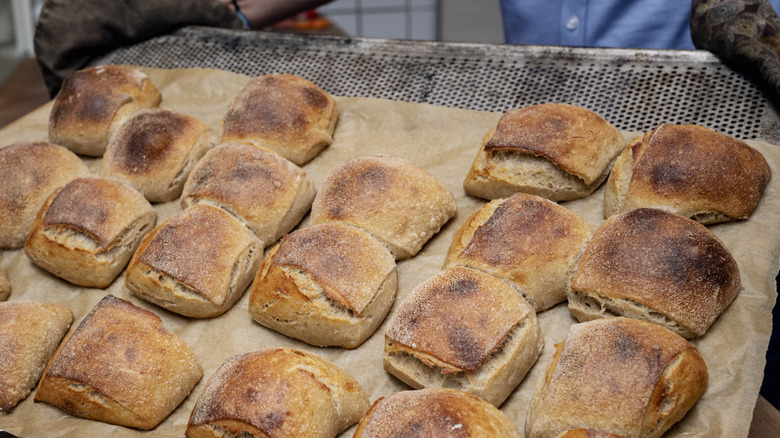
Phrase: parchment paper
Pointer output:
(443, 141)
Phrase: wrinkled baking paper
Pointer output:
(444, 141)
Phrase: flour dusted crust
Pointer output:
(530, 242)
(277, 392)
(31, 171)
(656, 266)
(29, 333)
(284, 113)
(265, 191)
(86, 231)
(557, 151)
(197, 263)
(120, 366)
(626, 377)
(689, 170)
(393, 199)
(5, 286)
(94, 102)
(155, 151)
(463, 329)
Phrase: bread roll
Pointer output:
(326, 285)
(155, 151)
(656, 266)
(94, 102)
(689, 170)
(531, 243)
(398, 202)
(284, 113)
(435, 413)
(87, 230)
(29, 334)
(626, 377)
(120, 366)
(197, 263)
(266, 192)
(277, 392)
(586, 433)
(557, 151)
(31, 171)
(5, 287)
(466, 330)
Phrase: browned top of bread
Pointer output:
(698, 169)
(31, 171)
(671, 264)
(5, 287)
(434, 413)
(102, 208)
(347, 263)
(280, 392)
(587, 433)
(577, 139)
(198, 247)
(458, 317)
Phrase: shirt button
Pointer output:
(572, 23)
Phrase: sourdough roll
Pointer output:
(284, 113)
(466, 330)
(398, 202)
(265, 191)
(155, 151)
(656, 266)
(435, 413)
(531, 243)
(5, 286)
(29, 334)
(31, 171)
(120, 366)
(689, 170)
(553, 150)
(277, 392)
(94, 102)
(621, 376)
(87, 230)
(197, 263)
(326, 285)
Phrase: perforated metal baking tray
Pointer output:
(634, 89)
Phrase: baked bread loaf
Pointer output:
(557, 151)
(94, 102)
(327, 285)
(284, 113)
(5, 286)
(155, 151)
(120, 366)
(689, 170)
(266, 192)
(435, 413)
(531, 243)
(656, 266)
(466, 330)
(197, 263)
(393, 199)
(87, 230)
(626, 377)
(31, 171)
(277, 392)
(29, 334)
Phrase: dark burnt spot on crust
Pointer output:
(366, 185)
(669, 177)
(462, 287)
(314, 97)
(147, 139)
(272, 421)
(464, 345)
(626, 347)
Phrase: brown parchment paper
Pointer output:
(443, 141)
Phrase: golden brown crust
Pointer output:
(93, 102)
(120, 366)
(29, 334)
(434, 413)
(31, 171)
(532, 243)
(277, 393)
(587, 433)
(672, 265)
(694, 171)
(605, 374)
(5, 286)
(284, 113)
